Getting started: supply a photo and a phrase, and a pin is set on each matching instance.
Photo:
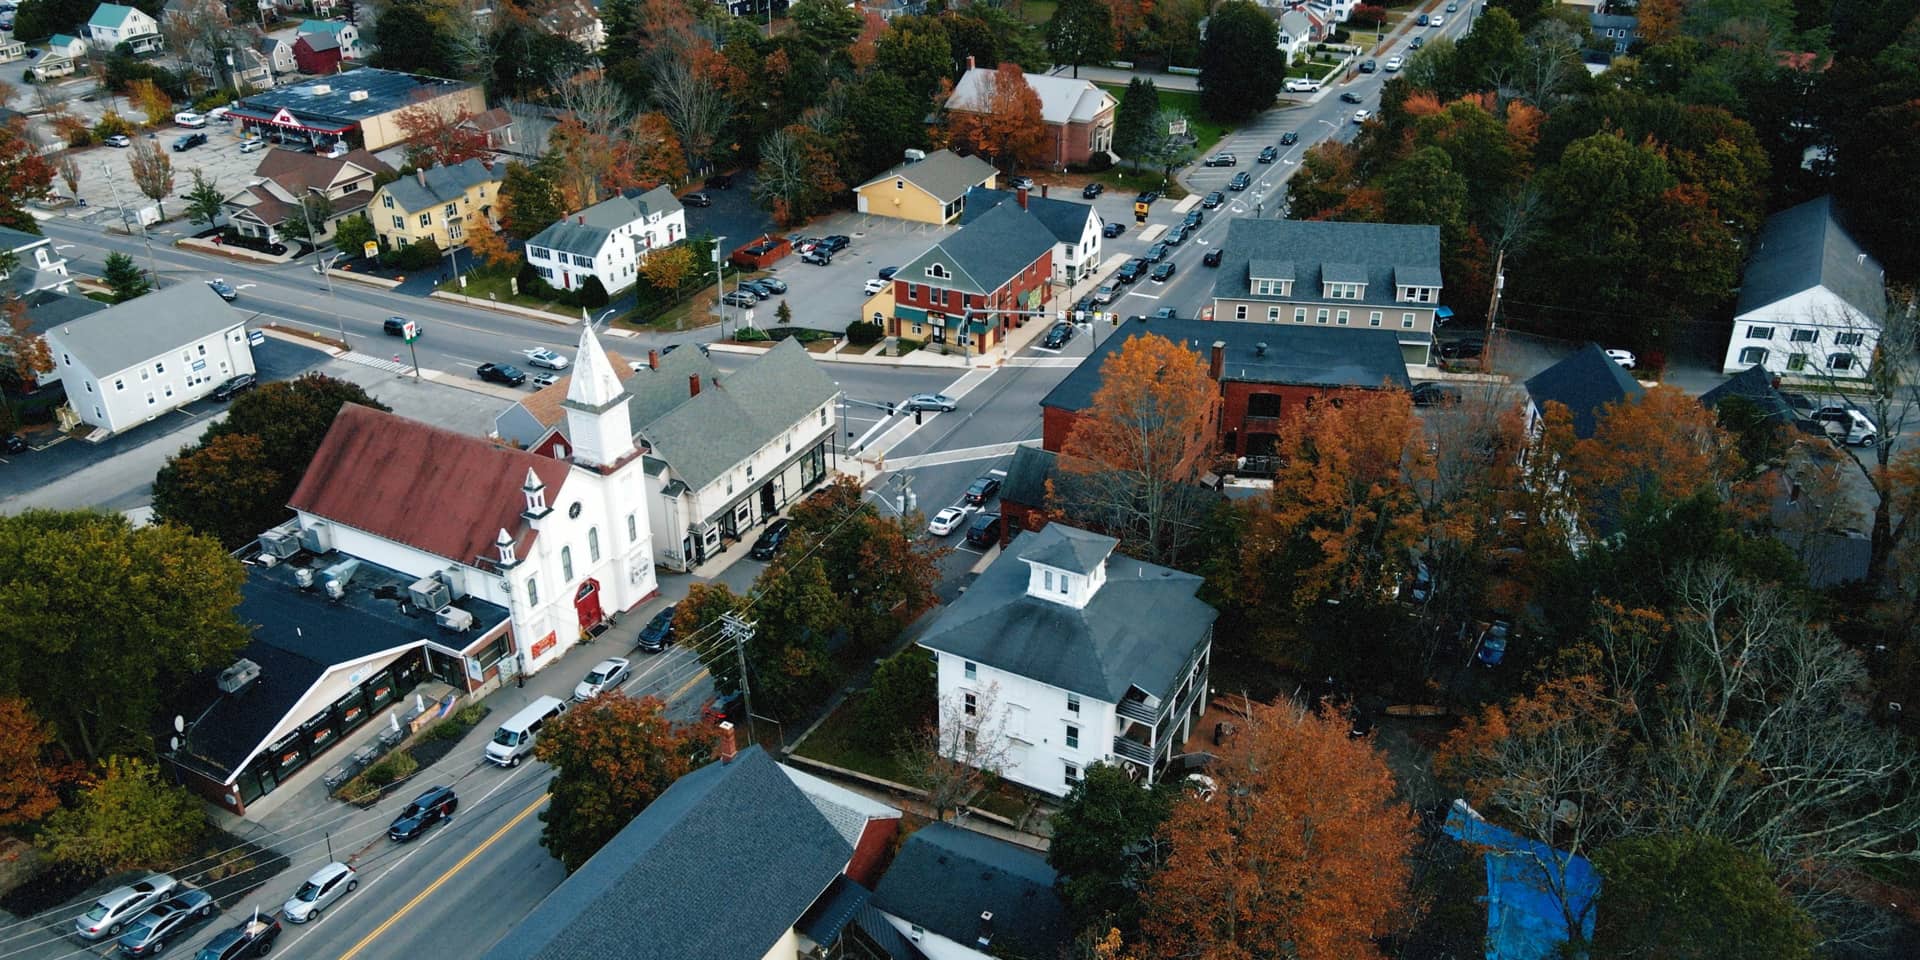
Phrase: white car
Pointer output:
(1302, 85)
(328, 884)
(1437, 20)
(875, 286)
(1624, 358)
(542, 357)
(1393, 64)
(604, 676)
(1360, 116)
(189, 119)
(946, 521)
(221, 114)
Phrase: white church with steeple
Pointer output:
(560, 537)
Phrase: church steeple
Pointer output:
(596, 407)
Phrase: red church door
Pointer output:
(586, 604)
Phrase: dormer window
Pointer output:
(1346, 291)
(938, 272)
(1273, 288)
(1411, 294)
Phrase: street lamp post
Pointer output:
(325, 267)
(720, 284)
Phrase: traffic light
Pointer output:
(916, 416)
(889, 408)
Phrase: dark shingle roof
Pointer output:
(1803, 247)
(385, 91)
(836, 908)
(1380, 248)
(47, 309)
(945, 877)
(1304, 355)
(585, 232)
(983, 255)
(1585, 383)
(1139, 630)
(438, 185)
(945, 175)
(1754, 384)
(1027, 476)
(736, 844)
(1077, 551)
(703, 437)
(1066, 219)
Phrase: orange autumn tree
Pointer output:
(1664, 447)
(1004, 120)
(29, 781)
(1303, 843)
(438, 139)
(1132, 462)
(485, 242)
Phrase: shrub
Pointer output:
(111, 124)
(419, 255)
(215, 98)
(861, 333)
(1097, 163)
(1367, 15)
(750, 335)
(592, 294)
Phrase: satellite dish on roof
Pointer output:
(173, 744)
(179, 724)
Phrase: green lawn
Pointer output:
(833, 742)
(1188, 103)
(497, 287)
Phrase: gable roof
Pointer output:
(946, 876)
(322, 26)
(1584, 383)
(983, 255)
(47, 309)
(1066, 219)
(1027, 476)
(848, 812)
(317, 42)
(702, 437)
(1062, 99)
(18, 240)
(299, 170)
(1803, 247)
(377, 472)
(585, 232)
(944, 175)
(1314, 356)
(738, 841)
(145, 327)
(437, 185)
(1755, 385)
(1140, 629)
(1382, 249)
(61, 41)
(111, 16)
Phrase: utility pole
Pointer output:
(1493, 308)
(306, 217)
(738, 630)
(153, 267)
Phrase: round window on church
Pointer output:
(573, 512)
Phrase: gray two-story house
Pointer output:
(1370, 276)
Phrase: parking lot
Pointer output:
(105, 173)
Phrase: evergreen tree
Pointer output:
(124, 278)
(1133, 122)
(1081, 31)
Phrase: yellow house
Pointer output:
(437, 203)
(930, 188)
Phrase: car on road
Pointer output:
(1105, 293)
(1435, 394)
(187, 118)
(605, 675)
(1163, 272)
(1368, 66)
(1147, 196)
(118, 140)
(188, 141)
(1164, 313)
(433, 806)
(542, 357)
(1130, 271)
(1624, 358)
(696, 199)
(1159, 252)
(1092, 190)
(771, 539)
(1194, 218)
(930, 401)
(1302, 85)
(224, 289)
(1213, 199)
(739, 298)
(120, 905)
(1268, 155)
(1847, 425)
(1351, 97)
(1113, 229)
(1360, 116)
(1058, 336)
(543, 379)
(1451, 7)
(1439, 20)
(1422, 20)
(657, 635)
(817, 256)
(1394, 64)
(1085, 305)
(256, 339)
(1417, 43)
(722, 708)
(1213, 257)
(1240, 181)
(172, 919)
(984, 531)
(235, 386)
(874, 286)
(1222, 160)
(1465, 349)
(397, 327)
(1178, 235)
(505, 373)
(946, 521)
(322, 890)
(982, 490)
(252, 938)
(720, 181)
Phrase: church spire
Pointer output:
(596, 407)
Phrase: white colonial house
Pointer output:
(608, 240)
(113, 24)
(1075, 227)
(1810, 299)
(559, 536)
(1061, 655)
(132, 362)
(37, 265)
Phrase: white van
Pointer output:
(514, 740)
(1847, 425)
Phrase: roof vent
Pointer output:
(986, 929)
(320, 89)
(1260, 349)
(453, 618)
(357, 95)
(235, 678)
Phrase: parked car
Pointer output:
(1092, 190)
(1163, 272)
(1493, 643)
(1130, 271)
(817, 256)
(1419, 587)
(1213, 199)
(873, 286)
(14, 443)
(1058, 336)
(1213, 257)
(836, 242)
(984, 531)
(1268, 155)
(427, 809)
(1368, 66)
(172, 919)
(224, 289)
(235, 386)
(605, 675)
(1195, 217)
(1393, 64)
(1435, 394)
(119, 140)
(322, 890)
(1466, 349)
(754, 287)
(187, 118)
(1360, 116)
(1159, 252)
(1240, 181)
(542, 357)
(776, 285)
(1020, 183)
(1147, 196)
(505, 373)
(1222, 160)
(334, 150)
(720, 181)
(1847, 425)
(543, 379)
(739, 298)
(982, 490)
(1625, 358)
(929, 401)
(188, 141)
(886, 273)
(771, 539)
(722, 708)
(946, 521)
(657, 635)
(696, 199)
(1105, 293)
(112, 912)
(254, 938)
(397, 327)
(1351, 97)
(1302, 85)
(1113, 229)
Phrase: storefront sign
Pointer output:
(544, 644)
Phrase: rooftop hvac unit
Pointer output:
(428, 593)
(317, 538)
(279, 544)
(357, 96)
(451, 577)
(453, 618)
(303, 578)
(915, 156)
(235, 678)
(320, 89)
(334, 579)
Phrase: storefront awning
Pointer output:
(1443, 313)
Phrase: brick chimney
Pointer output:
(653, 359)
(580, 219)
(421, 175)
(969, 61)
(1218, 364)
(728, 749)
(693, 384)
(1043, 191)
(1022, 194)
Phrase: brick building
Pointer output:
(974, 286)
(1078, 114)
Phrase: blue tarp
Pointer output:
(1525, 920)
(1443, 313)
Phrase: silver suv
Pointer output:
(329, 883)
(122, 904)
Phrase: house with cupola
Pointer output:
(1066, 653)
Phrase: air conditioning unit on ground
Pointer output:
(429, 593)
(235, 678)
(453, 618)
